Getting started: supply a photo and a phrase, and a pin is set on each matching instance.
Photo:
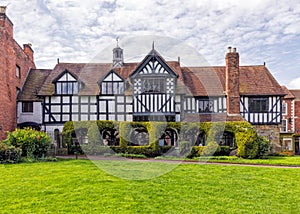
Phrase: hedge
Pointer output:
(246, 139)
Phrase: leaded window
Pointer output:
(111, 87)
(205, 106)
(112, 84)
(153, 85)
(67, 84)
(258, 105)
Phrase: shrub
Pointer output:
(244, 135)
(9, 154)
(196, 151)
(211, 148)
(34, 144)
(184, 147)
(224, 151)
(263, 147)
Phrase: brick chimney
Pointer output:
(5, 22)
(232, 82)
(28, 50)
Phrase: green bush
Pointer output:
(196, 151)
(263, 147)
(211, 148)
(224, 151)
(245, 137)
(34, 144)
(9, 154)
(185, 147)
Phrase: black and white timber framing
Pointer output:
(148, 93)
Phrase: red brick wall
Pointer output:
(232, 82)
(11, 55)
(297, 116)
(288, 116)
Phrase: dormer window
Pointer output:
(66, 84)
(112, 84)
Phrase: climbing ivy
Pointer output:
(246, 139)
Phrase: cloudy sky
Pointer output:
(79, 30)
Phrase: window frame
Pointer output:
(112, 87)
(284, 108)
(18, 71)
(67, 87)
(258, 105)
(159, 82)
(204, 103)
(284, 127)
(27, 107)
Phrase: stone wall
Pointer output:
(271, 132)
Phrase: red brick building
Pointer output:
(290, 128)
(15, 63)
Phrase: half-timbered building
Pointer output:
(154, 90)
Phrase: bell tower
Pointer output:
(118, 59)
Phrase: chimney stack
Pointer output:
(5, 22)
(2, 9)
(232, 82)
(28, 50)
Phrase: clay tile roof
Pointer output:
(88, 73)
(257, 80)
(204, 81)
(32, 85)
(210, 81)
(289, 94)
(296, 93)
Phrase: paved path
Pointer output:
(173, 161)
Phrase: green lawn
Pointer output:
(79, 186)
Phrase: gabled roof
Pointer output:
(153, 55)
(108, 73)
(296, 93)
(289, 94)
(257, 80)
(33, 84)
(193, 81)
(210, 81)
(63, 73)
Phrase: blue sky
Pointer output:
(81, 31)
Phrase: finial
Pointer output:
(117, 41)
(153, 45)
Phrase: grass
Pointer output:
(79, 186)
(270, 160)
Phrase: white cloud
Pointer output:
(76, 30)
(294, 84)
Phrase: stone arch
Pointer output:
(226, 138)
(80, 135)
(139, 137)
(110, 137)
(195, 136)
(169, 137)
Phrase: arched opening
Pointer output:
(57, 138)
(139, 137)
(226, 138)
(110, 137)
(195, 136)
(81, 135)
(169, 138)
